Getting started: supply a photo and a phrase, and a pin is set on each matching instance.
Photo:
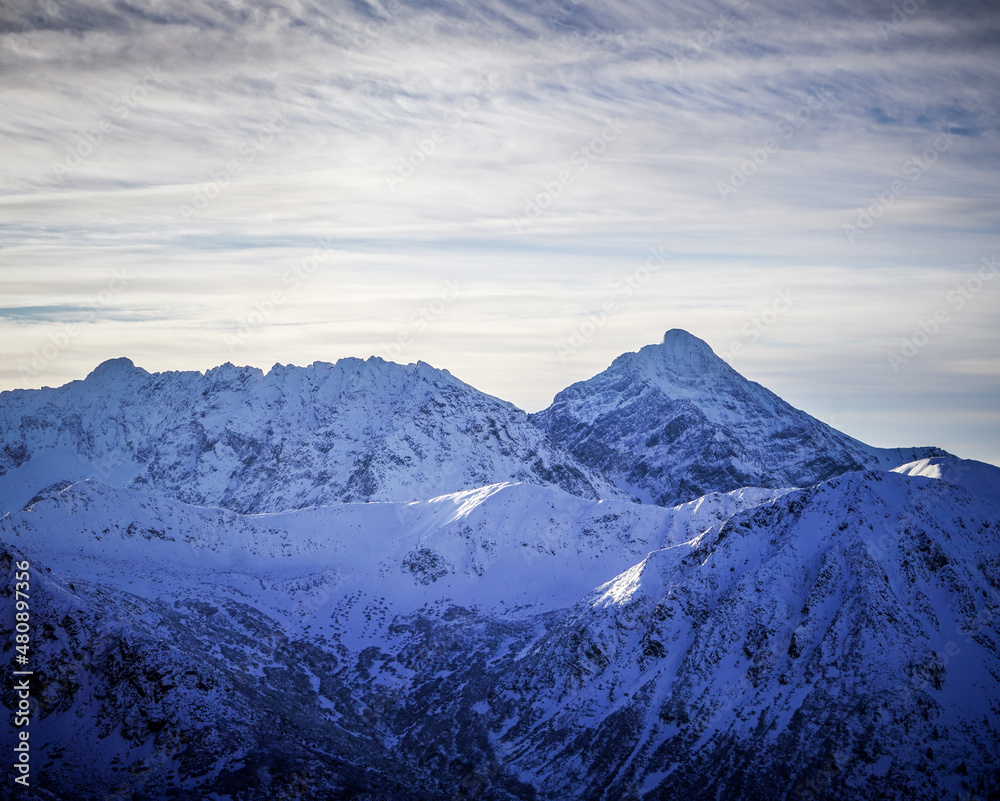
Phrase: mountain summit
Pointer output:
(673, 421)
(681, 360)
(679, 348)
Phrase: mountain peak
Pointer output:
(674, 421)
(684, 346)
(680, 358)
(678, 336)
(114, 369)
(358, 430)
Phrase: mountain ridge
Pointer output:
(252, 441)
(664, 425)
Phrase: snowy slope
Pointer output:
(169, 623)
(978, 478)
(518, 642)
(674, 421)
(839, 642)
(294, 437)
(503, 549)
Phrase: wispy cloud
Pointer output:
(70, 313)
(281, 124)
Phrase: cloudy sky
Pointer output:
(516, 191)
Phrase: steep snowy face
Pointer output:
(836, 642)
(241, 439)
(673, 422)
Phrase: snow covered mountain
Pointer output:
(221, 611)
(665, 425)
(674, 421)
(517, 642)
(294, 437)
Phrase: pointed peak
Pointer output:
(679, 353)
(114, 369)
(678, 339)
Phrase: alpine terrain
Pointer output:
(674, 421)
(371, 581)
(253, 442)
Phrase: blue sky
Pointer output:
(515, 192)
